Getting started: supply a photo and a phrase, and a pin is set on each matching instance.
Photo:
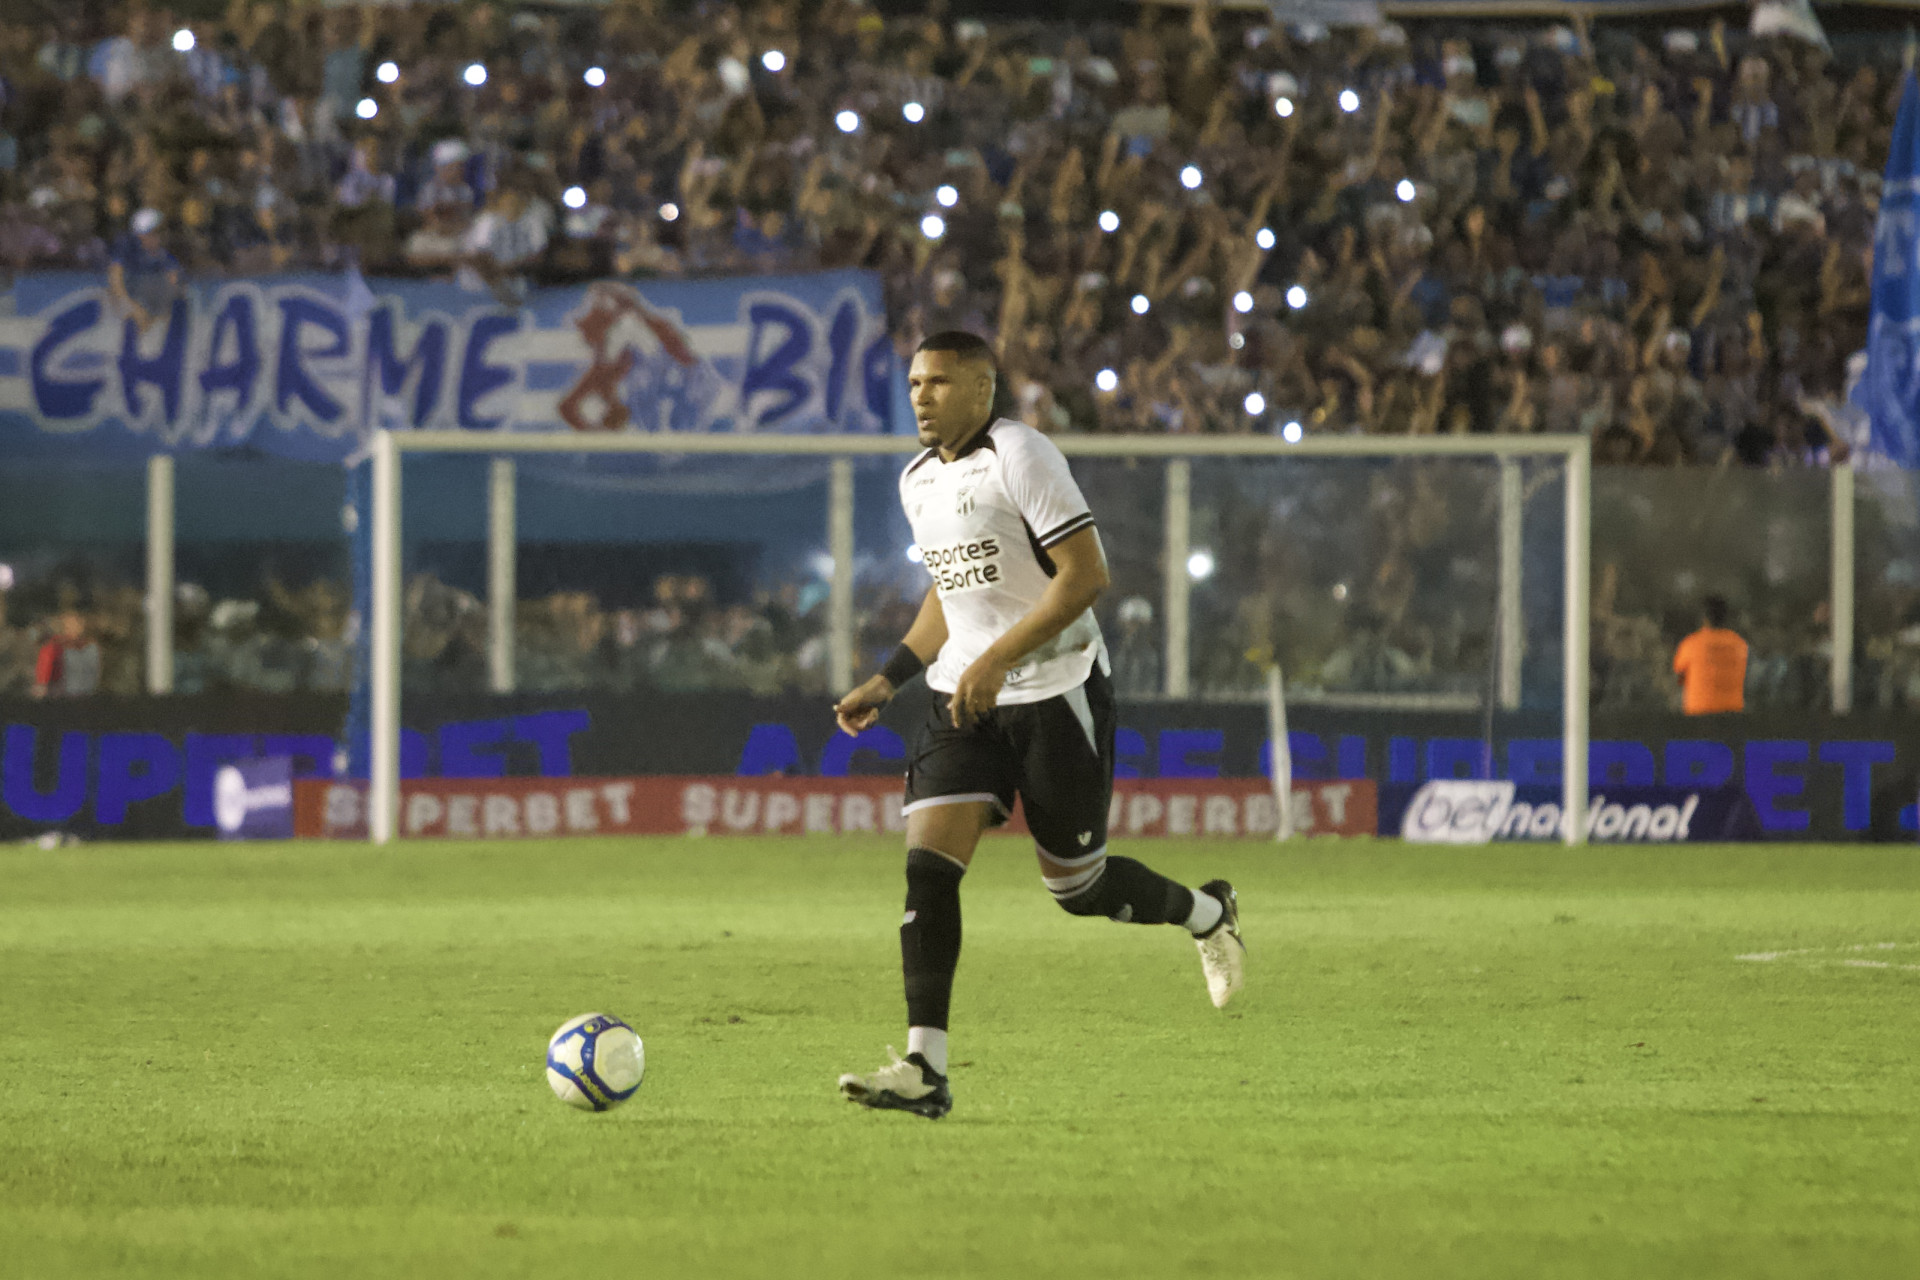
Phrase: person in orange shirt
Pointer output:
(1712, 665)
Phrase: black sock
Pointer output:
(1132, 892)
(930, 935)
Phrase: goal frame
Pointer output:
(389, 449)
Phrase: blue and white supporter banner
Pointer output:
(1889, 391)
(305, 367)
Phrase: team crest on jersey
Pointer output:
(963, 502)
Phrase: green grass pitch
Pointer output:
(313, 1060)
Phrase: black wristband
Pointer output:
(903, 666)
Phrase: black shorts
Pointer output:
(1056, 755)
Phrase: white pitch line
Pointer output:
(1768, 957)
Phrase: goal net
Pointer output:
(1425, 598)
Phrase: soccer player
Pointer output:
(1022, 705)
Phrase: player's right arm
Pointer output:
(861, 708)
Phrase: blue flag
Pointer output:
(1890, 389)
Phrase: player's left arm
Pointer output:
(1080, 575)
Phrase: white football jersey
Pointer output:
(983, 523)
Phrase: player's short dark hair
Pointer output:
(968, 346)
(1715, 610)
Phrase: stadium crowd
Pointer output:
(1198, 221)
(1661, 241)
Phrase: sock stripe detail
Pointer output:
(1079, 882)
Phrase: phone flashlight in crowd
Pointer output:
(1236, 340)
(6, 577)
(1191, 177)
(1109, 221)
(669, 211)
(366, 108)
(847, 121)
(1264, 237)
(1291, 434)
(933, 226)
(913, 113)
(1255, 404)
(475, 75)
(1243, 302)
(1349, 101)
(574, 198)
(947, 196)
(1405, 190)
(1296, 297)
(1106, 380)
(388, 72)
(774, 60)
(595, 77)
(1200, 564)
(1140, 304)
(1283, 107)
(183, 40)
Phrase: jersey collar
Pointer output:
(981, 439)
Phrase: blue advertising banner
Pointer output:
(1468, 811)
(305, 367)
(253, 799)
(146, 767)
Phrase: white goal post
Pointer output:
(390, 447)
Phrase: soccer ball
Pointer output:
(595, 1062)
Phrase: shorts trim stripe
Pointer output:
(967, 798)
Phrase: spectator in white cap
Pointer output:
(449, 184)
(142, 277)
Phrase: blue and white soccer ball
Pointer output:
(595, 1062)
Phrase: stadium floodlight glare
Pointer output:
(183, 40)
(774, 61)
(594, 76)
(1191, 177)
(574, 198)
(913, 113)
(669, 211)
(847, 121)
(1297, 297)
(1106, 380)
(947, 196)
(387, 72)
(1255, 403)
(1405, 190)
(1349, 101)
(1140, 304)
(1236, 340)
(1291, 433)
(1109, 221)
(933, 226)
(1243, 302)
(1200, 564)
(1283, 107)
(915, 554)
(1264, 237)
(475, 74)
(366, 108)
